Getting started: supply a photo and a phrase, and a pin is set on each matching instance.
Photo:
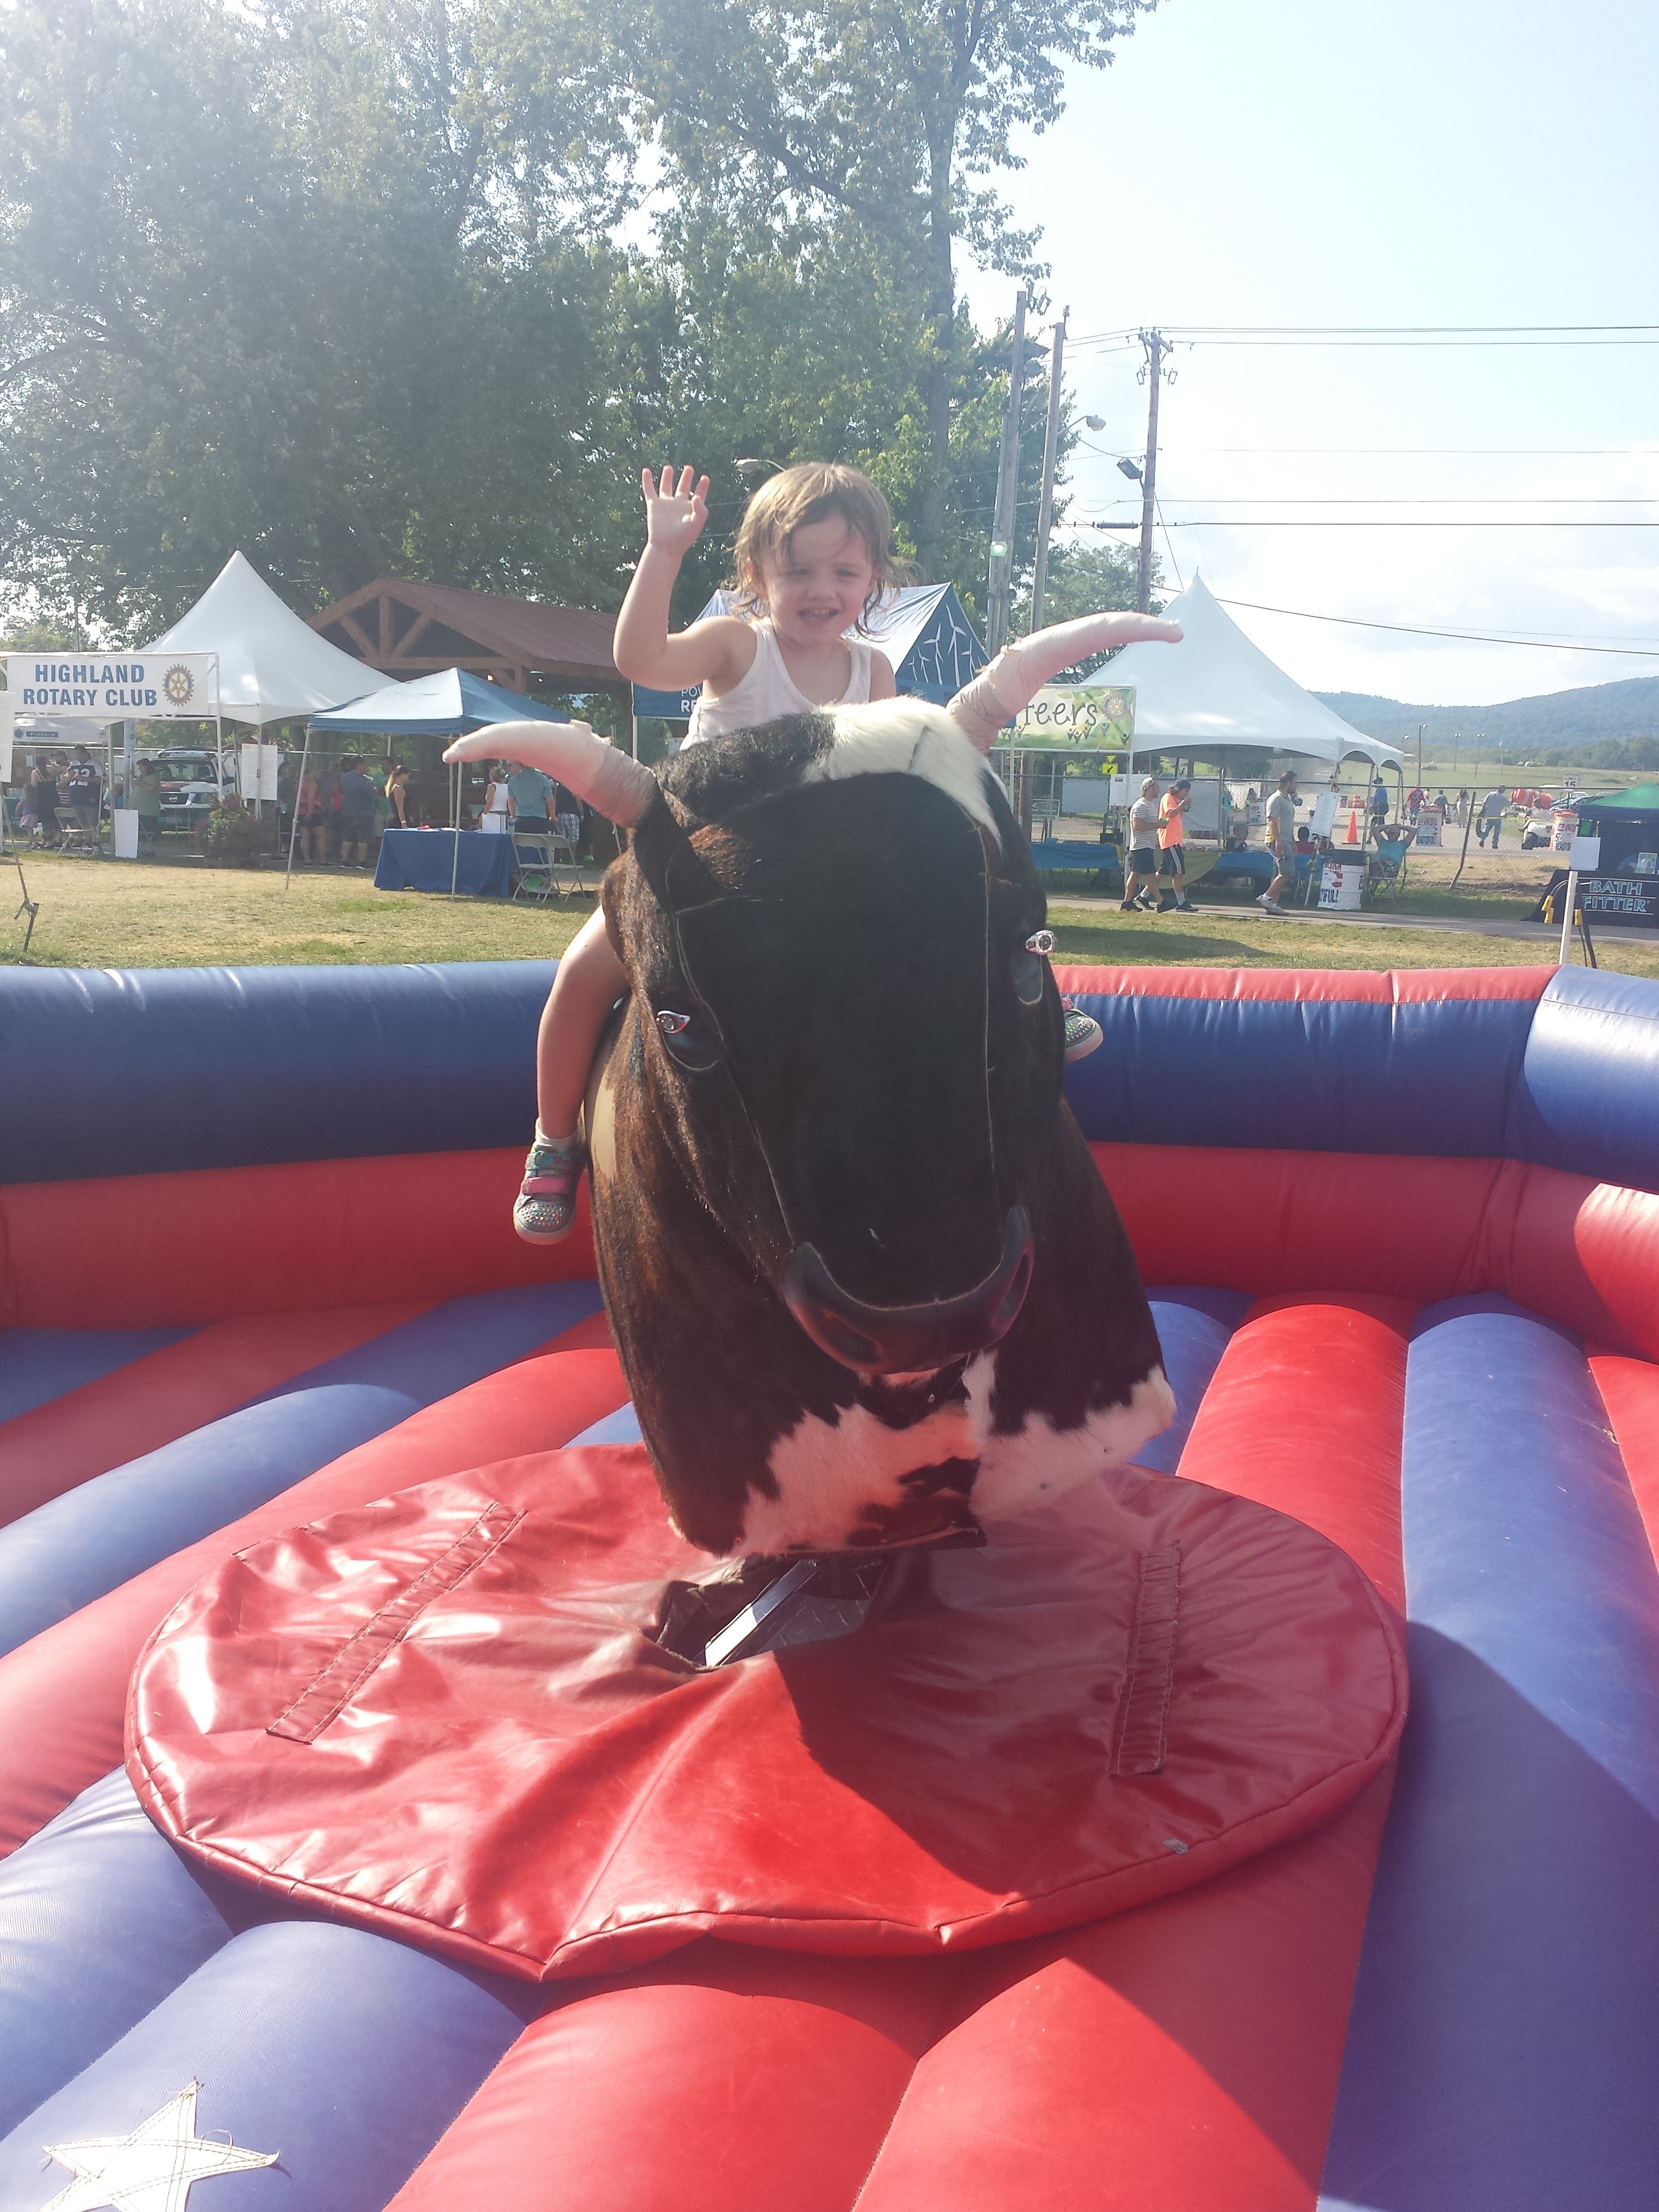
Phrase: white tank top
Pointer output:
(767, 691)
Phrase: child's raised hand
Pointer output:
(674, 513)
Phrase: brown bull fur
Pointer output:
(861, 1059)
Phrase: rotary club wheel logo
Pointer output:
(180, 686)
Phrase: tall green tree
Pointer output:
(329, 281)
(744, 346)
(896, 115)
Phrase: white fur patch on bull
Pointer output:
(830, 1473)
(1039, 1462)
(907, 737)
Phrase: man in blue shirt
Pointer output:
(531, 795)
(356, 814)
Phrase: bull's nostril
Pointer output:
(921, 1339)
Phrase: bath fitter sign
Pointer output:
(112, 687)
(1076, 718)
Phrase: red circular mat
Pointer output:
(441, 1715)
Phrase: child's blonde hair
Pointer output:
(813, 492)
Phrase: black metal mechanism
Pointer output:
(769, 1604)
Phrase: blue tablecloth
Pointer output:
(1069, 856)
(422, 859)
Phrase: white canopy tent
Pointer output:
(1216, 690)
(272, 666)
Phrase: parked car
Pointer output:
(189, 784)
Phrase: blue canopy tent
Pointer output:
(447, 704)
(921, 628)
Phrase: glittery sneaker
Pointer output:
(1083, 1032)
(545, 1208)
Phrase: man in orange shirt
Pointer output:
(1172, 836)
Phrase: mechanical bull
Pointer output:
(866, 1284)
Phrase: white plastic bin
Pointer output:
(125, 819)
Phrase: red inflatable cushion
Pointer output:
(442, 1716)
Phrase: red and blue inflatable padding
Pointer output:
(1402, 1236)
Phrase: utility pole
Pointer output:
(1001, 578)
(1157, 346)
(1050, 461)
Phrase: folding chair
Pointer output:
(1388, 869)
(76, 836)
(544, 865)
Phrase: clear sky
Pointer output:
(1428, 163)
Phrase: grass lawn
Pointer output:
(107, 914)
(184, 914)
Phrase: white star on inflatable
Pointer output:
(150, 2170)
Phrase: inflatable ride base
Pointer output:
(1402, 1234)
(447, 1716)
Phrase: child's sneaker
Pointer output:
(545, 1208)
(1083, 1032)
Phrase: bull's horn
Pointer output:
(612, 784)
(1019, 671)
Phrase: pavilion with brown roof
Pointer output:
(408, 629)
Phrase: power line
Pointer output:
(1366, 522)
(1534, 641)
(1412, 499)
(1386, 335)
(1540, 452)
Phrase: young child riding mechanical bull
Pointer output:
(813, 558)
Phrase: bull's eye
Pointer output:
(1028, 966)
(691, 1043)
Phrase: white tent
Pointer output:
(1216, 690)
(272, 667)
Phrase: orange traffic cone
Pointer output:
(1353, 827)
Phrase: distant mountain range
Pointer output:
(1583, 717)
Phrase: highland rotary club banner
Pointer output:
(111, 687)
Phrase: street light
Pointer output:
(1131, 469)
(1095, 421)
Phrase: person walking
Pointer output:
(1379, 809)
(1492, 809)
(1172, 837)
(1140, 881)
(1281, 841)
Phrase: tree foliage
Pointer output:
(347, 283)
(892, 115)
